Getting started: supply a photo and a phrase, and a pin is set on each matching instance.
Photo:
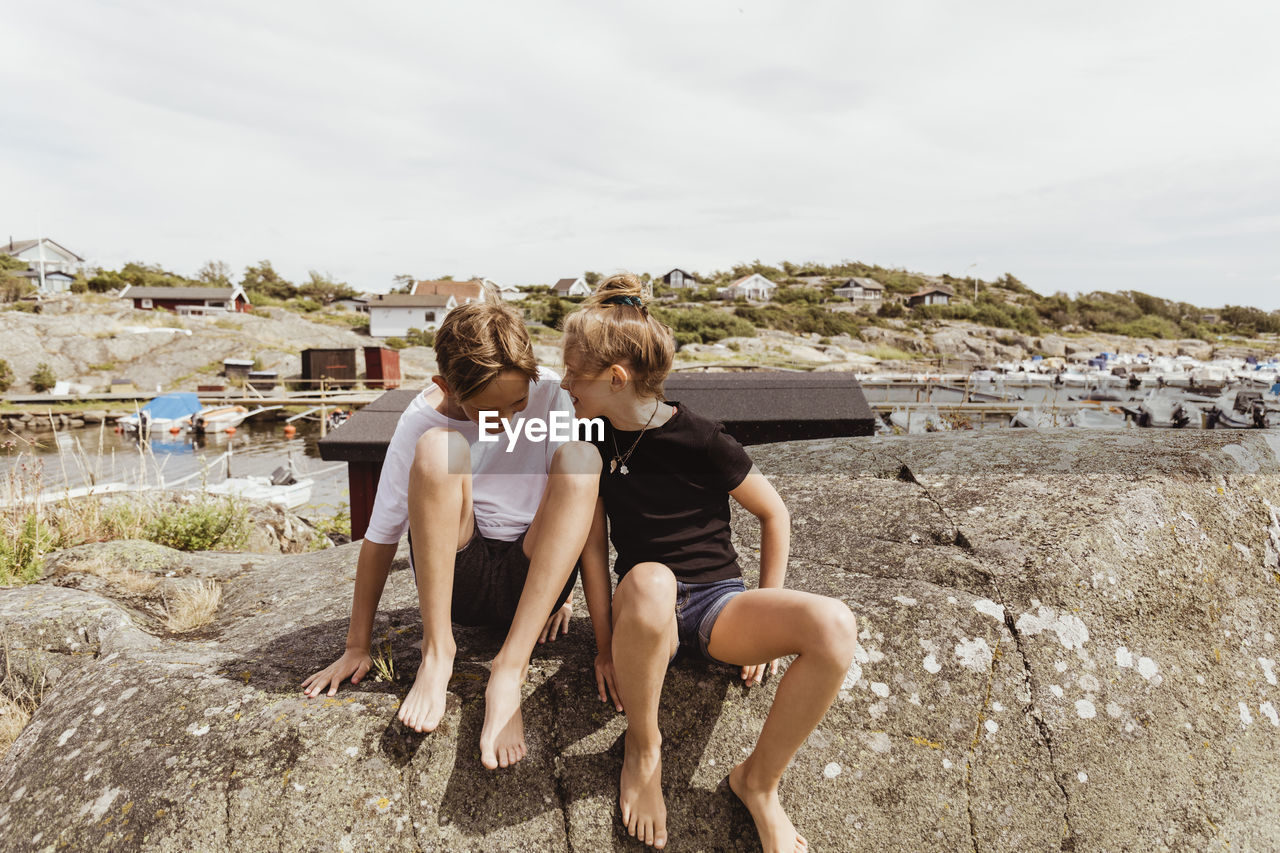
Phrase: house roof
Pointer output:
(473, 289)
(16, 246)
(864, 283)
(412, 300)
(223, 293)
(934, 288)
(685, 273)
(747, 278)
(566, 283)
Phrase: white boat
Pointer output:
(1035, 418)
(168, 411)
(281, 489)
(220, 418)
(1096, 419)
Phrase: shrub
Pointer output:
(395, 343)
(708, 324)
(44, 378)
(419, 338)
(23, 547)
(200, 526)
(6, 376)
(684, 338)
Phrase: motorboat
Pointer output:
(283, 488)
(165, 412)
(1162, 411)
(221, 418)
(1097, 419)
(1035, 418)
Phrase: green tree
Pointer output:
(261, 280)
(44, 378)
(404, 283)
(592, 278)
(215, 274)
(556, 309)
(6, 376)
(323, 289)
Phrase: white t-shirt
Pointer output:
(505, 487)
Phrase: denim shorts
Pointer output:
(698, 605)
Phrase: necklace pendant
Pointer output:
(613, 465)
(624, 469)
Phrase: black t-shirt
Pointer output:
(672, 507)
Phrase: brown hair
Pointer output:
(479, 340)
(606, 330)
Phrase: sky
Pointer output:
(1081, 147)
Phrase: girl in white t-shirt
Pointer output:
(496, 521)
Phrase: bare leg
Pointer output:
(759, 626)
(553, 542)
(439, 488)
(644, 638)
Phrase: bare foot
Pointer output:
(423, 708)
(502, 738)
(644, 812)
(777, 834)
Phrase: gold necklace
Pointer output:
(619, 460)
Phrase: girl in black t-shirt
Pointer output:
(665, 486)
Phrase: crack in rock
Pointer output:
(957, 535)
(1032, 711)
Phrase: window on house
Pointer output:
(146, 303)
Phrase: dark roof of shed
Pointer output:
(180, 292)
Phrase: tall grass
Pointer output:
(35, 522)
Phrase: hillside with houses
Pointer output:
(144, 326)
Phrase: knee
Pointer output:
(646, 596)
(577, 457)
(440, 452)
(836, 634)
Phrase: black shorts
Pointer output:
(488, 578)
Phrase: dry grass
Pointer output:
(103, 566)
(384, 666)
(18, 701)
(192, 607)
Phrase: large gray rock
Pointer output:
(1069, 643)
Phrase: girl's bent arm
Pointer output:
(758, 497)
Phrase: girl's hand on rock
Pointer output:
(353, 664)
(753, 675)
(606, 681)
(558, 623)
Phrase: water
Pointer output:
(78, 457)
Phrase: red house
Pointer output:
(188, 300)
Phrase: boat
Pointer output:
(167, 411)
(1034, 418)
(283, 488)
(1241, 410)
(1097, 419)
(220, 418)
(1162, 411)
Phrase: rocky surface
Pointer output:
(103, 338)
(1069, 643)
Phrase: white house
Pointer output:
(45, 255)
(861, 290)
(755, 287)
(571, 287)
(679, 278)
(394, 314)
(508, 292)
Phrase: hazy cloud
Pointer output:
(1080, 147)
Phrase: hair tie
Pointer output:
(624, 300)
